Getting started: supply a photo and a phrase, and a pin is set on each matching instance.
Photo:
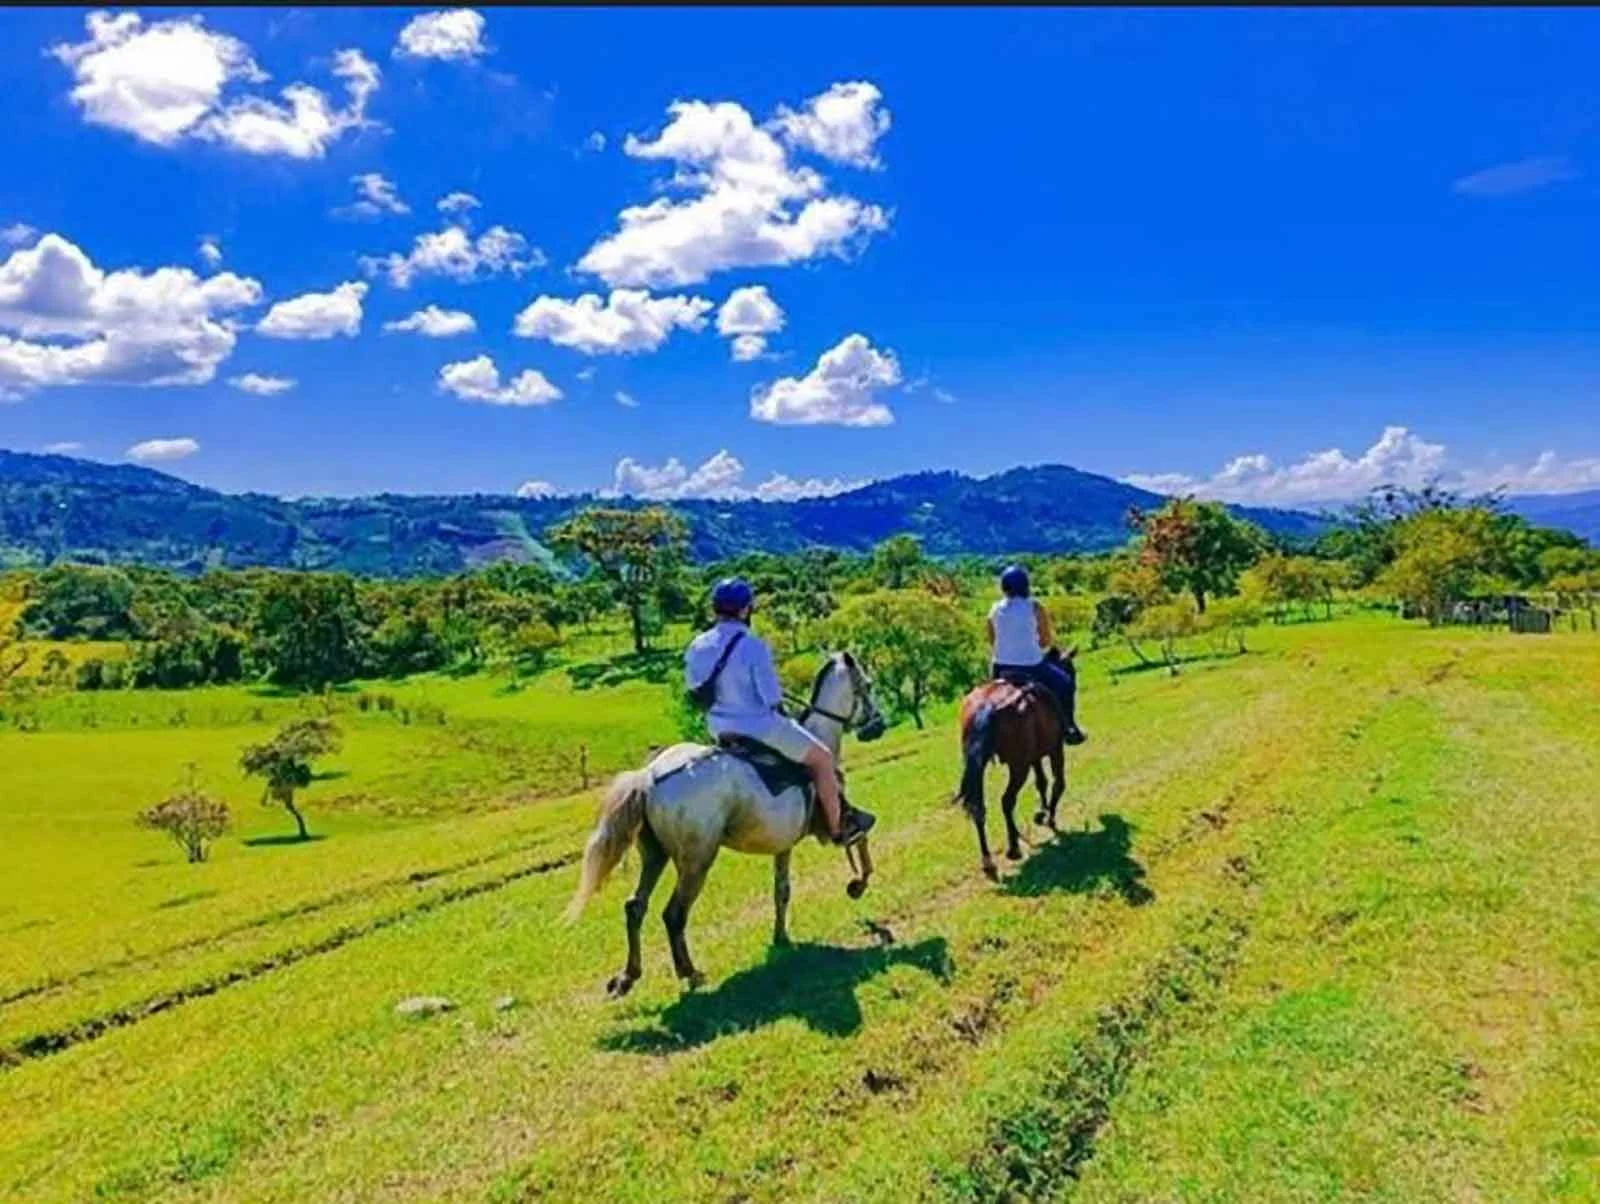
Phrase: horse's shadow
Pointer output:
(1084, 863)
(813, 983)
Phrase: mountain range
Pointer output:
(62, 508)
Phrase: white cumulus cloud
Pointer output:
(262, 386)
(479, 380)
(64, 448)
(627, 399)
(841, 390)
(453, 33)
(304, 126)
(748, 316)
(458, 202)
(153, 451)
(454, 253)
(377, 195)
(317, 315)
(536, 489)
(72, 323)
(843, 124)
(156, 82)
(721, 476)
(1397, 457)
(17, 233)
(434, 323)
(211, 251)
(163, 83)
(747, 204)
(627, 322)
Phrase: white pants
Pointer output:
(775, 731)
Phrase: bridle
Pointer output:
(863, 696)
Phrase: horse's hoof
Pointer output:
(693, 980)
(1013, 854)
(780, 940)
(619, 986)
(856, 887)
(990, 872)
(1039, 817)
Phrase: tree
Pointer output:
(307, 628)
(920, 647)
(1442, 553)
(284, 762)
(636, 551)
(1198, 547)
(190, 817)
(897, 561)
(1229, 618)
(1166, 623)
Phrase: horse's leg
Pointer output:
(652, 860)
(1058, 784)
(691, 879)
(1042, 815)
(780, 899)
(1008, 807)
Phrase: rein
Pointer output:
(810, 707)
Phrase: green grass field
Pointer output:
(1322, 924)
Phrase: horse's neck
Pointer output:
(829, 731)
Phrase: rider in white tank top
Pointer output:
(1016, 632)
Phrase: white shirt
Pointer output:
(1016, 632)
(748, 692)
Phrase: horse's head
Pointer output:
(843, 692)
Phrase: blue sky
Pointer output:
(1200, 249)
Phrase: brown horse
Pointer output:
(1018, 723)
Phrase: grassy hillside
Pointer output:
(1322, 926)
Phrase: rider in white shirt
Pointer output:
(1022, 643)
(748, 698)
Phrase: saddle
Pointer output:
(777, 772)
(1027, 685)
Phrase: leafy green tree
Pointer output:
(897, 561)
(1198, 547)
(284, 762)
(920, 648)
(307, 628)
(635, 551)
(1442, 554)
(69, 601)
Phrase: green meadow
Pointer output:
(1321, 923)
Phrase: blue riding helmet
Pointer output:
(1014, 582)
(732, 595)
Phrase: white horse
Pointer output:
(690, 801)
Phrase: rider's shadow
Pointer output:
(1085, 863)
(813, 983)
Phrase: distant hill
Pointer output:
(1575, 512)
(59, 508)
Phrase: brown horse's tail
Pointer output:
(977, 748)
(621, 817)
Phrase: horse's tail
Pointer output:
(977, 747)
(621, 817)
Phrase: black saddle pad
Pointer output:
(777, 772)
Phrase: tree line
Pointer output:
(1189, 568)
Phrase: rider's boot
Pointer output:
(854, 823)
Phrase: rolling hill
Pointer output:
(60, 508)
